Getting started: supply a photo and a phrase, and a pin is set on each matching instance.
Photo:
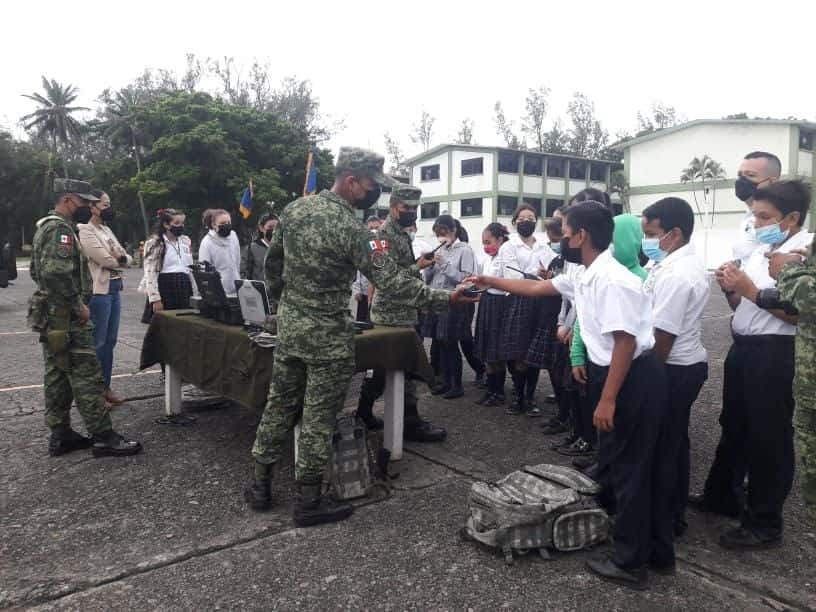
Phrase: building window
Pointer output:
(472, 166)
(597, 172)
(429, 173)
(533, 165)
(556, 167)
(535, 203)
(553, 205)
(472, 207)
(577, 170)
(806, 140)
(429, 210)
(509, 161)
(507, 206)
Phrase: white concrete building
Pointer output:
(479, 185)
(654, 163)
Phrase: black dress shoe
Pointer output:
(745, 539)
(579, 448)
(606, 569)
(483, 401)
(550, 399)
(440, 389)
(453, 393)
(424, 431)
(664, 569)
(495, 400)
(564, 442)
(553, 427)
(699, 502)
(582, 463)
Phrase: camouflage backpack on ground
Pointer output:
(540, 507)
(359, 465)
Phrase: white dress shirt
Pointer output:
(749, 319)
(491, 266)
(609, 298)
(746, 243)
(527, 258)
(679, 290)
(177, 256)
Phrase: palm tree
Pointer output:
(703, 169)
(53, 119)
(120, 124)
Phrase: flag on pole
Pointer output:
(245, 207)
(310, 185)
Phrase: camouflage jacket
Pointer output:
(387, 309)
(315, 252)
(797, 285)
(57, 263)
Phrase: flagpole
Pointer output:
(309, 162)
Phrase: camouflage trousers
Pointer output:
(805, 425)
(311, 392)
(75, 375)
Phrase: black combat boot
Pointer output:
(313, 508)
(365, 412)
(64, 440)
(259, 494)
(112, 444)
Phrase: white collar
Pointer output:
(601, 261)
(683, 251)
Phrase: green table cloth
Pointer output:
(221, 358)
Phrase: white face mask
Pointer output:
(411, 235)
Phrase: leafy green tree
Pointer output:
(55, 117)
(587, 138)
(465, 134)
(505, 128)
(536, 105)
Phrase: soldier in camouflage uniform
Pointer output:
(315, 251)
(389, 311)
(797, 285)
(58, 312)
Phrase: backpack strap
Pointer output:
(564, 476)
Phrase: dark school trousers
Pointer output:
(634, 461)
(757, 433)
(684, 384)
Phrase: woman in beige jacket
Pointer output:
(106, 262)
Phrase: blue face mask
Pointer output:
(556, 247)
(771, 234)
(651, 248)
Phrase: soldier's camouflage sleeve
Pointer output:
(56, 273)
(392, 281)
(273, 265)
(797, 285)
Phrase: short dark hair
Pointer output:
(554, 226)
(590, 194)
(787, 197)
(671, 213)
(520, 208)
(773, 161)
(563, 209)
(595, 219)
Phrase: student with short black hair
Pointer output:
(757, 412)
(615, 317)
(679, 288)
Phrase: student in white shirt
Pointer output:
(167, 280)
(616, 323)
(220, 248)
(757, 413)
(490, 317)
(526, 253)
(679, 289)
(758, 169)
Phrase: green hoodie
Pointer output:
(626, 239)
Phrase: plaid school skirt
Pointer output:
(450, 326)
(541, 353)
(517, 328)
(175, 290)
(489, 321)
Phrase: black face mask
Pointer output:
(525, 228)
(570, 254)
(744, 189)
(106, 214)
(370, 198)
(268, 234)
(224, 230)
(82, 214)
(407, 218)
(177, 230)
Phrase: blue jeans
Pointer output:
(106, 311)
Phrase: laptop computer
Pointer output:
(254, 302)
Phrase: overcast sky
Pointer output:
(377, 65)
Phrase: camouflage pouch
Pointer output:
(37, 318)
(57, 341)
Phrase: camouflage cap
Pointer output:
(407, 194)
(363, 162)
(80, 188)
